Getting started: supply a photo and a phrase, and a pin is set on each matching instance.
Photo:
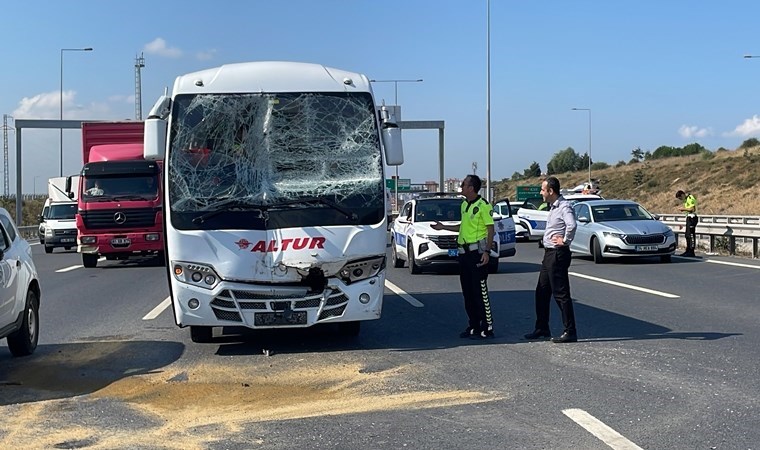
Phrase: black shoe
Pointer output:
(538, 334)
(468, 332)
(688, 254)
(566, 337)
(485, 334)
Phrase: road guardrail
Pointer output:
(722, 232)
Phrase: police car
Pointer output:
(415, 243)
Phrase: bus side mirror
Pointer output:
(391, 135)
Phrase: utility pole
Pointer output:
(6, 186)
(139, 64)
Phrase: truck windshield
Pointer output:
(269, 150)
(120, 187)
(62, 212)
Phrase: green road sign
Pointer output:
(526, 192)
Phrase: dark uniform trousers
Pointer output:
(475, 290)
(691, 233)
(554, 280)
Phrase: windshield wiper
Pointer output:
(321, 201)
(228, 204)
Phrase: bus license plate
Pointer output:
(453, 252)
(120, 241)
(646, 248)
(279, 318)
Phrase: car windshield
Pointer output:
(62, 212)
(441, 210)
(617, 212)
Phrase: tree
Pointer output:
(637, 153)
(565, 161)
(751, 142)
(516, 176)
(533, 171)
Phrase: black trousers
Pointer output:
(553, 279)
(475, 291)
(691, 233)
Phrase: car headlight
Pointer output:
(422, 236)
(620, 236)
(195, 274)
(668, 233)
(49, 232)
(361, 269)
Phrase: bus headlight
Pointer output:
(361, 269)
(194, 274)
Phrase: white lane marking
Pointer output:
(623, 285)
(604, 433)
(78, 266)
(401, 293)
(158, 309)
(749, 266)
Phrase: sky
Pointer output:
(652, 72)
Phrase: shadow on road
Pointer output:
(437, 326)
(68, 370)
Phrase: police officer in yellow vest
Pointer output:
(476, 233)
(690, 208)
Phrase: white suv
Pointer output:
(414, 241)
(19, 290)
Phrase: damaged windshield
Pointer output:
(319, 153)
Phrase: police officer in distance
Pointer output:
(476, 232)
(690, 209)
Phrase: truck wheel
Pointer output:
(24, 341)
(397, 262)
(89, 260)
(201, 335)
(350, 329)
(48, 249)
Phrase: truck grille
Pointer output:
(228, 304)
(119, 218)
(635, 239)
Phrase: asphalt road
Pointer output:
(666, 359)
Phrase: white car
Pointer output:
(507, 209)
(415, 242)
(19, 290)
(535, 219)
(614, 228)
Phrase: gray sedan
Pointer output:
(615, 228)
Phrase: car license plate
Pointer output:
(120, 241)
(453, 252)
(280, 318)
(66, 240)
(646, 248)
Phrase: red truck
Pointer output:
(119, 208)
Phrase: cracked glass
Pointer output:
(272, 157)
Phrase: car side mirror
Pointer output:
(584, 219)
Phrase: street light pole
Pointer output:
(395, 99)
(589, 139)
(87, 49)
(34, 191)
(488, 102)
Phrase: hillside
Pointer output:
(725, 182)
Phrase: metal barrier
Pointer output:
(723, 232)
(30, 233)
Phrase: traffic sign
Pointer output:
(526, 191)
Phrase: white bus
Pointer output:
(275, 205)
